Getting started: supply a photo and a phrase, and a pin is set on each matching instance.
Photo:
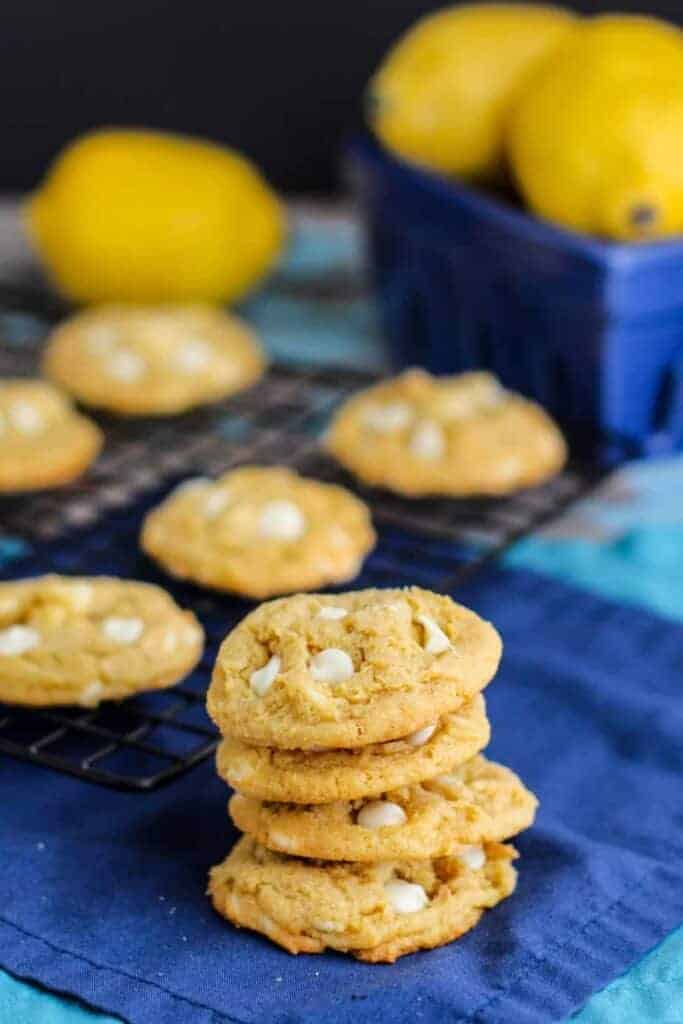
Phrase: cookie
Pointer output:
(378, 912)
(260, 531)
(482, 802)
(82, 640)
(44, 442)
(346, 670)
(459, 436)
(152, 361)
(305, 777)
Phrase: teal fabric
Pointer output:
(651, 992)
(315, 309)
(23, 1004)
(625, 543)
(10, 548)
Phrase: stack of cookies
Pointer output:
(353, 725)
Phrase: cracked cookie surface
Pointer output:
(82, 640)
(482, 801)
(307, 777)
(459, 436)
(44, 442)
(152, 361)
(260, 531)
(342, 671)
(378, 912)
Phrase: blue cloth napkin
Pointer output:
(102, 893)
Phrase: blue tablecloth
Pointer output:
(102, 893)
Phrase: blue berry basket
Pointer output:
(591, 330)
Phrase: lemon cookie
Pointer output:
(411, 822)
(260, 531)
(152, 361)
(307, 777)
(378, 912)
(315, 671)
(459, 436)
(81, 640)
(44, 442)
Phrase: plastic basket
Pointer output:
(593, 331)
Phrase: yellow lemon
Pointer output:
(138, 216)
(441, 95)
(596, 139)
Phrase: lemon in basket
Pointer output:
(441, 95)
(138, 216)
(596, 138)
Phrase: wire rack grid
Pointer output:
(91, 528)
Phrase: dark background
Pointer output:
(279, 80)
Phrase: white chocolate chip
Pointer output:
(473, 857)
(18, 640)
(191, 633)
(509, 467)
(125, 365)
(263, 678)
(8, 605)
(405, 897)
(332, 612)
(436, 641)
(267, 923)
(123, 631)
(320, 700)
(281, 520)
(239, 772)
(386, 419)
(215, 503)
(338, 537)
(455, 404)
(25, 418)
(449, 779)
(193, 356)
(91, 695)
(283, 841)
(427, 441)
(101, 338)
(169, 642)
(471, 396)
(328, 926)
(160, 329)
(489, 391)
(380, 814)
(76, 593)
(419, 738)
(331, 666)
(79, 595)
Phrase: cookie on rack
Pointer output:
(260, 531)
(483, 802)
(343, 671)
(152, 361)
(309, 777)
(457, 436)
(378, 912)
(44, 442)
(82, 640)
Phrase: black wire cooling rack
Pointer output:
(92, 527)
